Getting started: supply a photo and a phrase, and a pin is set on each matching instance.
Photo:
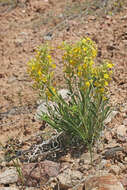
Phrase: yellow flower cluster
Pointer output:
(78, 60)
(40, 69)
(102, 76)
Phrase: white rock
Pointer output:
(42, 107)
(64, 93)
(10, 175)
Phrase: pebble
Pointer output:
(107, 182)
(121, 130)
(8, 176)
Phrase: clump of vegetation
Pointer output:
(82, 114)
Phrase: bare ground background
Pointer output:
(24, 25)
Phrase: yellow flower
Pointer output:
(33, 67)
(49, 56)
(96, 84)
(84, 66)
(104, 98)
(88, 39)
(109, 65)
(63, 57)
(72, 62)
(76, 50)
(85, 49)
(106, 76)
(106, 83)
(110, 72)
(84, 41)
(91, 81)
(79, 73)
(51, 74)
(91, 63)
(53, 89)
(38, 53)
(87, 83)
(49, 94)
(94, 52)
(44, 79)
(101, 90)
(39, 73)
(94, 71)
(79, 67)
(53, 66)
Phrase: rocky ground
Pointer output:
(24, 25)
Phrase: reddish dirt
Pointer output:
(27, 25)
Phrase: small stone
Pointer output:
(11, 80)
(114, 169)
(102, 164)
(124, 17)
(23, 11)
(69, 178)
(39, 171)
(125, 122)
(108, 136)
(121, 131)
(110, 117)
(19, 42)
(124, 115)
(107, 182)
(61, 15)
(46, 167)
(122, 167)
(48, 37)
(123, 109)
(10, 175)
(92, 18)
(86, 157)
